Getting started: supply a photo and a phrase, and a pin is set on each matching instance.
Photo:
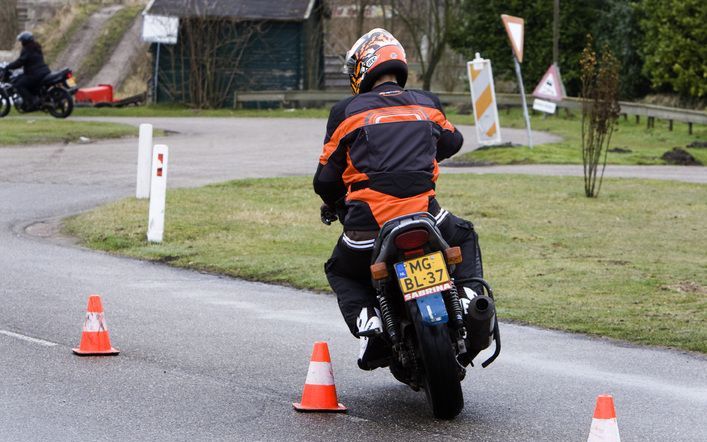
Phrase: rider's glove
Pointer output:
(328, 214)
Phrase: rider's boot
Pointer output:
(374, 352)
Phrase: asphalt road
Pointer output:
(212, 358)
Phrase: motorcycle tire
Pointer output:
(62, 104)
(442, 383)
(5, 103)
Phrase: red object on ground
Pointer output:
(319, 392)
(95, 340)
(604, 426)
(103, 93)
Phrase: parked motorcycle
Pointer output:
(55, 94)
(422, 312)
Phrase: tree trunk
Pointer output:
(435, 57)
(8, 24)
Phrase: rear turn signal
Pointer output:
(453, 255)
(379, 271)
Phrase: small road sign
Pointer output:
(544, 106)
(515, 27)
(550, 87)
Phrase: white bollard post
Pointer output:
(158, 193)
(144, 158)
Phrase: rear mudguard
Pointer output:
(432, 310)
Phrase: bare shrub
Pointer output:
(209, 60)
(429, 23)
(600, 111)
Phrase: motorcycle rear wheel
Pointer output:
(5, 103)
(442, 383)
(61, 103)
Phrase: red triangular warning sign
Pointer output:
(515, 27)
(550, 87)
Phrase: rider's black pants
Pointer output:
(26, 85)
(348, 269)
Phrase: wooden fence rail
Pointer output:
(651, 112)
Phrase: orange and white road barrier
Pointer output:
(483, 98)
(604, 426)
(319, 390)
(95, 340)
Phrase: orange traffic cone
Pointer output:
(319, 390)
(94, 339)
(604, 426)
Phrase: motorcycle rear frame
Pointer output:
(396, 327)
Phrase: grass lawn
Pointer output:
(646, 145)
(623, 265)
(27, 130)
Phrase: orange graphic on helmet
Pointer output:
(374, 54)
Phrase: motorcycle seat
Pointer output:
(55, 77)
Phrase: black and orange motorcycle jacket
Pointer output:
(380, 155)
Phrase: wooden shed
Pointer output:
(225, 46)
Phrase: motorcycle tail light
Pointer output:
(412, 239)
(453, 255)
(70, 75)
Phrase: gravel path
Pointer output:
(80, 45)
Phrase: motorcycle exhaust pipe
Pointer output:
(480, 322)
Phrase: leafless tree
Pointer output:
(361, 6)
(206, 62)
(600, 111)
(428, 22)
(8, 23)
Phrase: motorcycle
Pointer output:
(422, 312)
(55, 94)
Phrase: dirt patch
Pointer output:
(686, 287)
(680, 157)
(615, 262)
(698, 145)
(500, 146)
(620, 150)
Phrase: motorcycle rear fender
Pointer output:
(432, 310)
(385, 249)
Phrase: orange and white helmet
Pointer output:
(376, 53)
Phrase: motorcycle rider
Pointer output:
(380, 161)
(34, 68)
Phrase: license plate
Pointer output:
(423, 276)
(71, 82)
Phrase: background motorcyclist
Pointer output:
(379, 162)
(34, 68)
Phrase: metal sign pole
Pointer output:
(157, 71)
(522, 97)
